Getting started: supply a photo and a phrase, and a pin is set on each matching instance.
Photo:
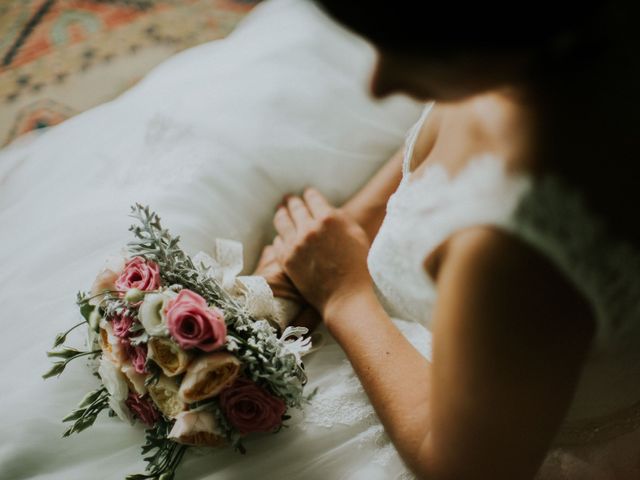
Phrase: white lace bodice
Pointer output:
(551, 217)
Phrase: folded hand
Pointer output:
(269, 268)
(322, 250)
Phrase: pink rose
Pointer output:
(138, 356)
(193, 324)
(104, 282)
(250, 408)
(139, 273)
(143, 409)
(121, 325)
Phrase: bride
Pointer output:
(505, 235)
(525, 271)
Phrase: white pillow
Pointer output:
(213, 137)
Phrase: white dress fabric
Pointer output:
(600, 438)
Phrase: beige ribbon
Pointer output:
(251, 291)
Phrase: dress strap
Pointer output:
(412, 137)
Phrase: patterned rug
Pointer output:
(61, 57)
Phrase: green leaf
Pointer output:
(87, 411)
(66, 353)
(55, 370)
(60, 339)
(85, 310)
(90, 398)
(76, 414)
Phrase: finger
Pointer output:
(280, 249)
(298, 211)
(316, 203)
(283, 288)
(266, 257)
(283, 223)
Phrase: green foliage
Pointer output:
(67, 354)
(165, 454)
(87, 411)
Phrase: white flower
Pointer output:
(135, 379)
(208, 375)
(121, 410)
(196, 428)
(152, 315)
(168, 356)
(113, 379)
(165, 395)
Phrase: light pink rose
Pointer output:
(250, 408)
(139, 273)
(121, 325)
(208, 375)
(137, 355)
(143, 408)
(193, 324)
(104, 282)
(197, 428)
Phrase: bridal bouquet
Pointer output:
(183, 345)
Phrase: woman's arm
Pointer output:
(369, 205)
(510, 339)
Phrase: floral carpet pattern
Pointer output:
(61, 57)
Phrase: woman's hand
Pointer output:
(321, 249)
(269, 268)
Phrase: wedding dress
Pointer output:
(600, 438)
(212, 139)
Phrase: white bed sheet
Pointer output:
(211, 139)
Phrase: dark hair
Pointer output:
(562, 35)
(448, 28)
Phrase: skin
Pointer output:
(507, 359)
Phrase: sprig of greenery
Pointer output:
(62, 337)
(87, 411)
(67, 354)
(176, 267)
(161, 464)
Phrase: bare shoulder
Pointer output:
(454, 133)
(510, 338)
(502, 267)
